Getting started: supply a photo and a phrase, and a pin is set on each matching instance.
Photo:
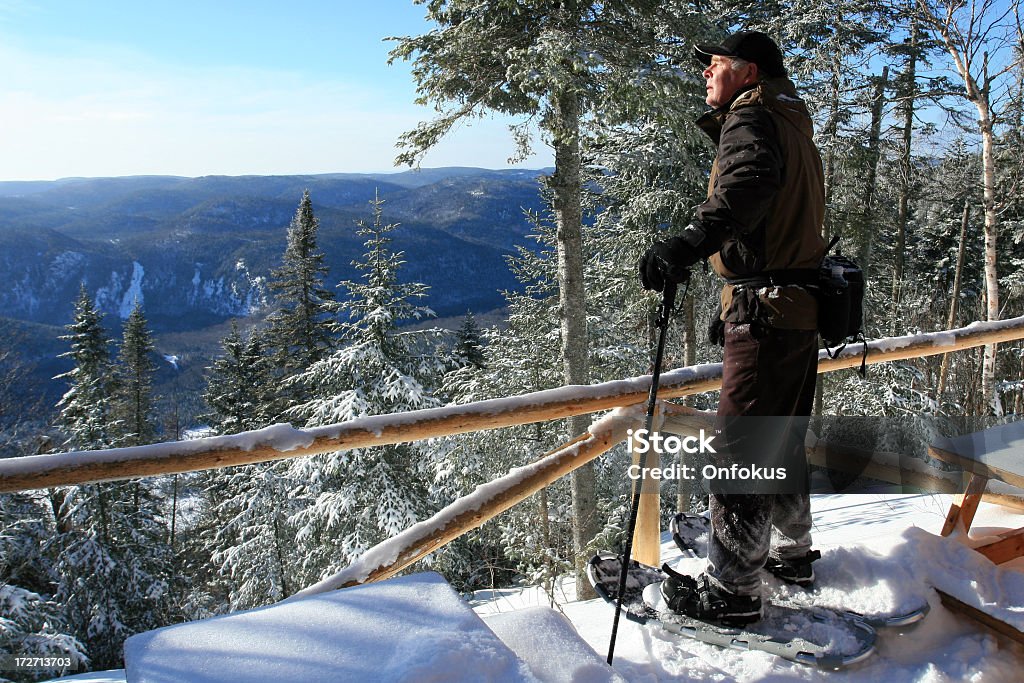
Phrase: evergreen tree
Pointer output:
(469, 343)
(353, 499)
(31, 622)
(240, 385)
(299, 333)
(86, 413)
(247, 535)
(244, 529)
(136, 371)
(111, 564)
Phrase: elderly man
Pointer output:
(761, 227)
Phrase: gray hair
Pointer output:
(735, 63)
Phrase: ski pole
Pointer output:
(667, 304)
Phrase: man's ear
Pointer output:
(753, 76)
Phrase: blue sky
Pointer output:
(191, 88)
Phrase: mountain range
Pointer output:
(198, 251)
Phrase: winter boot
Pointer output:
(797, 571)
(700, 599)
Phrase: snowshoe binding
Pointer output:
(701, 599)
(797, 571)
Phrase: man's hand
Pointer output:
(667, 261)
(716, 328)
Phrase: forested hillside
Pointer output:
(921, 138)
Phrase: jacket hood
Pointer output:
(779, 95)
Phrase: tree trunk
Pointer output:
(566, 188)
(906, 173)
(828, 137)
(988, 370)
(955, 299)
(963, 45)
(871, 181)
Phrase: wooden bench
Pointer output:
(996, 453)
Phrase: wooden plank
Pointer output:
(647, 534)
(1006, 466)
(1009, 547)
(962, 510)
(1005, 500)
(878, 465)
(976, 615)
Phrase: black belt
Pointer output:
(777, 278)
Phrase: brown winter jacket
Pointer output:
(766, 202)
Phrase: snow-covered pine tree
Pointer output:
(243, 529)
(353, 499)
(136, 369)
(109, 561)
(240, 385)
(31, 622)
(247, 535)
(299, 331)
(469, 343)
(86, 409)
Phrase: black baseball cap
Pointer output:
(752, 46)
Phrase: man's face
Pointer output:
(723, 81)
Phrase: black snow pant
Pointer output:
(766, 372)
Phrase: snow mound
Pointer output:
(412, 628)
(968, 576)
(113, 676)
(550, 646)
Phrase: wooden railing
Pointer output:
(489, 500)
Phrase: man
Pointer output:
(761, 227)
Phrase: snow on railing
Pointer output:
(283, 441)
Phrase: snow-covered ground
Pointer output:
(892, 539)
(889, 538)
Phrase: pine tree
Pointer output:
(136, 369)
(86, 408)
(299, 332)
(247, 535)
(244, 530)
(110, 563)
(31, 622)
(469, 343)
(240, 385)
(353, 499)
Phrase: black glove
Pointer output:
(716, 328)
(667, 261)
